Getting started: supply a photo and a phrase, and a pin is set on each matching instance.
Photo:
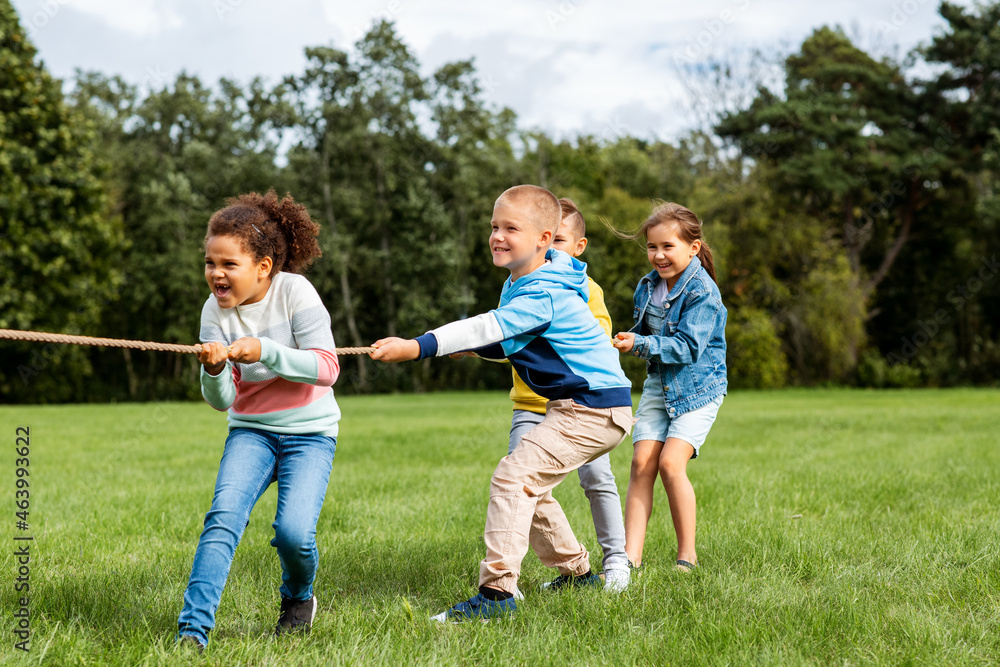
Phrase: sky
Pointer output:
(567, 67)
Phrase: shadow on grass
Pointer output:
(118, 602)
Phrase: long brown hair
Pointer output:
(688, 230)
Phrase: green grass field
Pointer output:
(835, 527)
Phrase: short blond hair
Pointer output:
(540, 205)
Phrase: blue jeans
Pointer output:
(598, 483)
(252, 459)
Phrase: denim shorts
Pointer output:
(653, 422)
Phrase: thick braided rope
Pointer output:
(41, 337)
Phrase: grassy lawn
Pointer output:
(835, 526)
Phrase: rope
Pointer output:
(41, 337)
(355, 350)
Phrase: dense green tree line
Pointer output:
(853, 211)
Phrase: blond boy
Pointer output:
(596, 477)
(545, 329)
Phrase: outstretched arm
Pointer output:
(481, 334)
(395, 349)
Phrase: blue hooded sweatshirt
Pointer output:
(545, 328)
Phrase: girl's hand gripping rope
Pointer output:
(213, 357)
(395, 349)
(245, 351)
(624, 342)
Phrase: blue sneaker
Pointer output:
(567, 581)
(477, 608)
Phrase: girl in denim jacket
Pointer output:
(680, 326)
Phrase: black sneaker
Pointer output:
(296, 615)
(190, 641)
(566, 581)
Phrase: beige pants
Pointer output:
(522, 510)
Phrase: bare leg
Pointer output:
(639, 497)
(673, 462)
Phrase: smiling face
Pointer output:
(232, 275)
(516, 242)
(668, 254)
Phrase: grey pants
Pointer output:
(598, 483)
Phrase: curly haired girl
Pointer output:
(268, 357)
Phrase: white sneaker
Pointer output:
(616, 581)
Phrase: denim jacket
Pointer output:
(689, 354)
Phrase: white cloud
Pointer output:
(565, 66)
(139, 17)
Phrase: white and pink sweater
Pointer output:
(290, 389)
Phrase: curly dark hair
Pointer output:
(269, 227)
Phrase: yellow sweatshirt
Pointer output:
(521, 394)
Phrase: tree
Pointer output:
(784, 279)
(319, 167)
(965, 94)
(178, 153)
(60, 242)
(473, 163)
(969, 88)
(845, 139)
(382, 183)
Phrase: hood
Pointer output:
(561, 269)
